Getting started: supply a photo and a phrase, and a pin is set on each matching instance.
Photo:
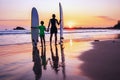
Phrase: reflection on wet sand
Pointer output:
(55, 59)
(55, 64)
(43, 57)
(37, 64)
(63, 61)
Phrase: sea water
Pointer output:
(11, 37)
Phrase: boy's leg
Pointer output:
(44, 39)
(41, 40)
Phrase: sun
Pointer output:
(70, 24)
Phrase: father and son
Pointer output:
(53, 22)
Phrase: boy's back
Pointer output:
(42, 29)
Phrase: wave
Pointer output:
(6, 32)
(11, 37)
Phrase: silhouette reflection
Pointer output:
(37, 64)
(55, 59)
(43, 57)
(63, 61)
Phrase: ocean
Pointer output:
(12, 37)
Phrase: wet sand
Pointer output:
(103, 61)
(74, 60)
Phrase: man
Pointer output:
(53, 29)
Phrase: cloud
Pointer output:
(14, 19)
(105, 18)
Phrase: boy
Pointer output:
(42, 33)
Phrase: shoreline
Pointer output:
(96, 38)
(75, 34)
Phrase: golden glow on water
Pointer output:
(73, 49)
(71, 42)
(74, 46)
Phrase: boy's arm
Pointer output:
(45, 28)
(37, 27)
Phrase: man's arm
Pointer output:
(58, 22)
(48, 26)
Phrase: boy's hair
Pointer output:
(42, 22)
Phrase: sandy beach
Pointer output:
(102, 62)
(74, 60)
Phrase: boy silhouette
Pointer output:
(42, 33)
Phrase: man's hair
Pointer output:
(53, 15)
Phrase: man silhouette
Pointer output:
(53, 29)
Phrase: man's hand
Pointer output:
(47, 29)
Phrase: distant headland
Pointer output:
(19, 28)
(117, 26)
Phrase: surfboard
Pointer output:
(34, 25)
(61, 24)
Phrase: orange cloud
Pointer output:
(106, 18)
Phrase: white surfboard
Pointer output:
(61, 24)
(34, 25)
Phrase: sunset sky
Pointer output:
(77, 13)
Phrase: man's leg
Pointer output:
(55, 38)
(51, 38)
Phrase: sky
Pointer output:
(77, 13)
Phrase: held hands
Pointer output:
(47, 29)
